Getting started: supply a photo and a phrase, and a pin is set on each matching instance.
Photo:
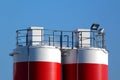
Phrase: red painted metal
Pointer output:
(85, 71)
(91, 71)
(69, 72)
(37, 71)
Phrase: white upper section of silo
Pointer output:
(69, 56)
(93, 56)
(37, 53)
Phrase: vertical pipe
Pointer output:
(17, 38)
(61, 39)
(27, 37)
(72, 40)
(67, 41)
(103, 40)
(49, 39)
(28, 46)
(77, 65)
(97, 40)
(53, 38)
(81, 39)
(41, 36)
(28, 62)
(91, 38)
(93, 45)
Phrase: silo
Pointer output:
(69, 64)
(92, 57)
(89, 61)
(92, 64)
(34, 61)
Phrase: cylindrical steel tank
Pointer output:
(69, 66)
(37, 63)
(85, 64)
(92, 64)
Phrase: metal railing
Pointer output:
(60, 38)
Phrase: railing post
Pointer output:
(53, 38)
(81, 38)
(49, 39)
(27, 37)
(17, 38)
(103, 40)
(72, 40)
(61, 39)
(67, 41)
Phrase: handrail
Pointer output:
(59, 37)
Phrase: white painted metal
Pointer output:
(69, 56)
(85, 33)
(35, 35)
(93, 55)
(37, 53)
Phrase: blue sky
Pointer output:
(58, 14)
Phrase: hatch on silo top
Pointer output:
(82, 37)
(35, 35)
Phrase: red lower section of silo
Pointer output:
(91, 71)
(37, 71)
(69, 72)
(85, 71)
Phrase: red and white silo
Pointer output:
(92, 64)
(85, 64)
(69, 64)
(36, 62)
(87, 61)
